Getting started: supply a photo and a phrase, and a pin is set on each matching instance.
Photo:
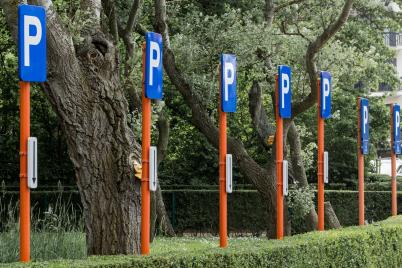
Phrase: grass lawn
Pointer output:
(71, 245)
(349, 247)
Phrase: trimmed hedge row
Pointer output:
(196, 211)
(378, 245)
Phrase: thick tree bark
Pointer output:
(84, 89)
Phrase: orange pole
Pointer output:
(223, 222)
(279, 163)
(360, 160)
(146, 143)
(320, 163)
(393, 166)
(25, 218)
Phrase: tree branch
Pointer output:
(133, 16)
(312, 51)
(269, 12)
(92, 10)
(200, 118)
(110, 11)
(163, 137)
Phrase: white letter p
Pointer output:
(153, 62)
(229, 69)
(365, 118)
(397, 121)
(326, 87)
(285, 88)
(31, 40)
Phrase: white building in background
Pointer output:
(394, 41)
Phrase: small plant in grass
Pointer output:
(300, 202)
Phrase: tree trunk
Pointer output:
(331, 221)
(299, 173)
(159, 216)
(84, 89)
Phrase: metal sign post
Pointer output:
(152, 79)
(31, 68)
(227, 100)
(323, 112)
(395, 150)
(362, 149)
(283, 96)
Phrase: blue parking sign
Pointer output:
(285, 91)
(396, 129)
(364, 125)
(153, 66)
(228, 83)
(32, 43)
(325, 94)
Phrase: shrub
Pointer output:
(378, 245)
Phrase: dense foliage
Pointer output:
(201, 30)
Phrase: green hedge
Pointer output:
(197, 211)
(378, 245)
(346, 205)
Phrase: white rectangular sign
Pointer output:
(229, 175)
(325, 167)
(153, 169)
(32, 163)
(285, 178)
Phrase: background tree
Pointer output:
(295, 37)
